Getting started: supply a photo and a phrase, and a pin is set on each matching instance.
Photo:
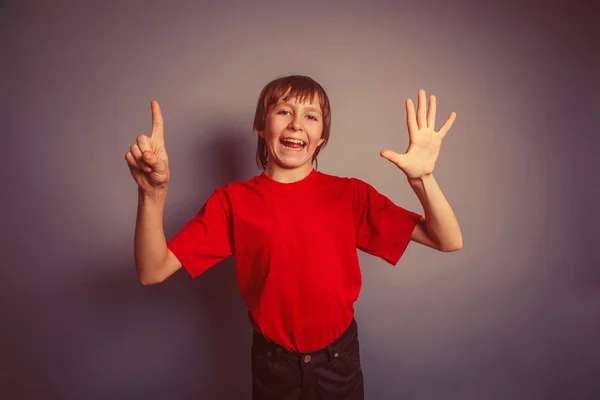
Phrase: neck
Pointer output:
(286, 175)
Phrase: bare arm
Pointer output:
(149, 167)
(439, 229)
(154, 261)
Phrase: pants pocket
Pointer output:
(260, 362)
(342, 379)
(273, 377)
(350, 357)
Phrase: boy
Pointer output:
(294, 232)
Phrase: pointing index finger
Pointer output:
(157, 121)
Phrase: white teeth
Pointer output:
(297, 141)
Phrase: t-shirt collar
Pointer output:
(293, 187)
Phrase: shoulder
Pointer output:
(226, 197)
(238, 186)
(341, 181)
(238, 192)
(348, 189)
(348, 183)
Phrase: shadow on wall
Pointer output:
(217, 356)
(109, 337)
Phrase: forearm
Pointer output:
(440, 220)
(150, 246)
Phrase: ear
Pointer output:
(320, 142)
(261, 134)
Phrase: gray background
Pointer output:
(514, 315)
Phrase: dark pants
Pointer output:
(331, 373)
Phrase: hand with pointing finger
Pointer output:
(147, 158)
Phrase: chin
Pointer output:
(294, 158)
(288, 164)
(293, 162)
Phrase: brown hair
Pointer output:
(293, 86)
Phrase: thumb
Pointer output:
(392, 156)
(154, 162)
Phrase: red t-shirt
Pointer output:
(295, 250)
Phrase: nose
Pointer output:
(295, 124)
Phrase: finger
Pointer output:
(411, 120)
(431, 112)
(446, 127)
(157, 122)
(154, 162)
(158, 165)
(137, 155)
(143, 143)
(421, 110)
(131, 161)
(391, 156)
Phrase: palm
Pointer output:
(424, 142)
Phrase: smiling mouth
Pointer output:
(292, 144)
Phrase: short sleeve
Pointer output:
(205, 239)
(383, 228)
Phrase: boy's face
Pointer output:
(293, 132)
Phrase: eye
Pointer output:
(283, 112)
(313, 117)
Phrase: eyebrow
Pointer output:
(310, 108)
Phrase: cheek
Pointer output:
(277, 123)
(316, 139)
(268, 134)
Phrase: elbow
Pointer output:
(452, 246)
(451, 249)
(147, 279)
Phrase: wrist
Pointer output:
(156, 195)
(420, 181)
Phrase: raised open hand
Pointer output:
(147, 159)
(424, 142)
